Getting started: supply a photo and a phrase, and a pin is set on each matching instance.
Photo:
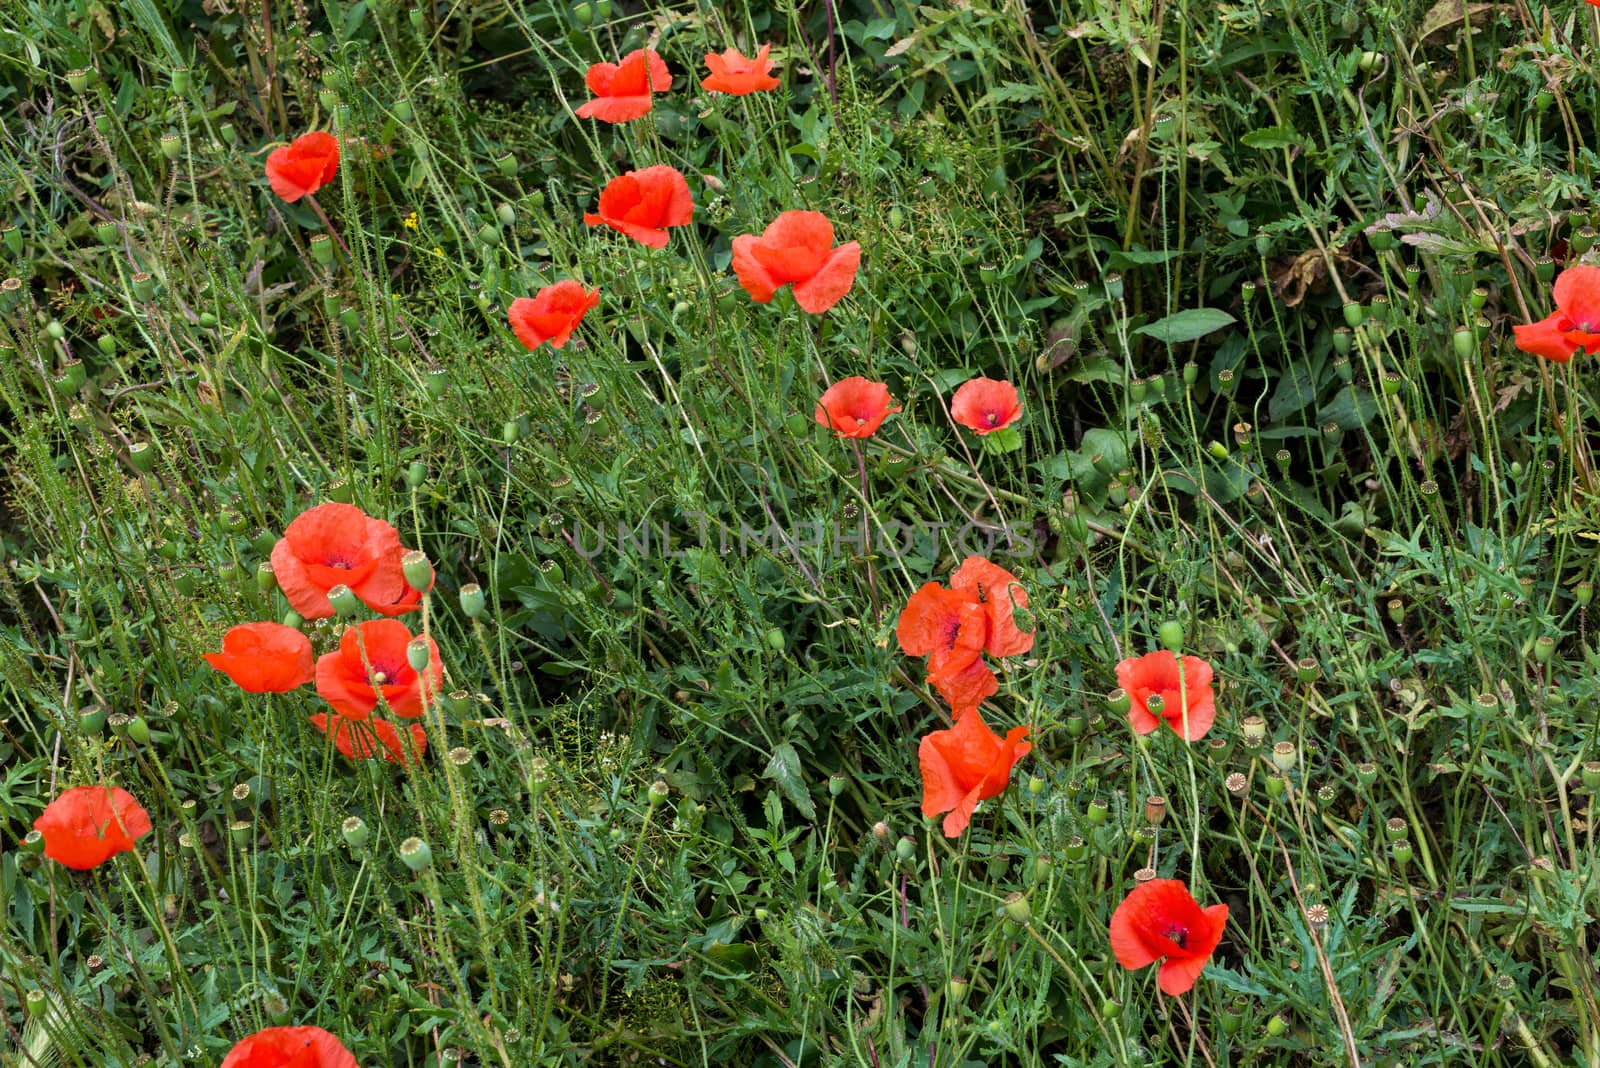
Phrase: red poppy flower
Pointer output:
(344, 682)
(949, 627)
(304, 165)
(355, 739)
(999, 591)
(797, 249)
(732, 73)
(410, 599)
(623, 90)
(264, 657)
(1574, 325)
(855, 407)
(965, 688)
(553, 314)
(334, 544)
(964, 765)
(642, 204)
(88, 825)
(290, 1047)
(1159, 919)
(985, 405)
(1156, 674)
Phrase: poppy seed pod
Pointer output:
(1155, 809)
(1156, 705)
(1276, 786)
(92, 720)
(1277, 1027)
(322, 249)
(1591, 775)
(356, 832)
(1354, 315)
(418, 654)
(657, 792)
(1366, 774)
(106, 231)
(1097, 812)
(33, 842)
(1076, 848)
(905, 849)
(416, 855)
(82, 78)
(1253, 729)
(1284, 756)
(1118, 702)
(344, 601)
(473, 601)
(956, 988)
(1402, 853)
(142, 457)
(417, 570)
(1171, 635)
(171, 146)
(1394, 828)
(1017, 909)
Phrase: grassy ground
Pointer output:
(1254, 268)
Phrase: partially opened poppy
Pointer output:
(1000, 593)
(265, 657)
(410, 598)
(88, 825)
(855, 407)
(338, 544)
(290, 1047)
(733, 73)
(642, 204)
(304, 165)
(365, 739)
(964, 765)
(1160, 920)
(797, 249)
(622, 91)
(1155, 675)
(984, 405)
(949, 627)
(1574, 325)
(552, 314)
(343, 679)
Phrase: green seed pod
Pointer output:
(81, 79)
(1583, 592)
(1545, 268)
(207, 320)
(106, 344)
(1341, 341)
(1381, 240)
(1277, 1027)
(92, 720)
(418, 654)
(1354, 315)
(416, 474)
(33, 842)
(144, 287)
(837, 783)
(106, 231)
(1402, 853)
(417, 570)
(1017, 909)
(171, 146)
(473, 601)
(1544, 648)
(775, 639)
(415, 854)
(266, 580)
(1591, 775)
(70, 379)
(322, 249)
(181, 80)
(955, 988)
(1217, 449)
(344, 600)
(1307, 669)
(142, 456)
(1391, 384)
(1284, 757)
(1118, 702)
(294, 619)
(1253, 729)
(1097, 812)
(1276, 786)
(657, 793)
(506, 164)
(905, 849)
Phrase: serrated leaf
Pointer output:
(784, 767)
(1271, 137)
(1187, 325)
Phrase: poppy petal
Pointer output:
(265, 657)
(752, 274)
(832, 281)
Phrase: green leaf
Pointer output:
(1295, 391)
(1187, 325)
(1006, 439)
(785, 768)
(1271, 137)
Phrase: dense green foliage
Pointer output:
(1254, 267)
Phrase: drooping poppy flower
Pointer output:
(984, 405)
(355, 739)
(964, 765)
(736, 75)
(345, 683)
(642, 204)
(1161, 919)
(290, 1047)
(553, 314)
(410, 598)
(949, 627)
(265, 657)
(304, 165)
(338, 544)
(88, 825)
(1000, 592)
(964, 688)
(855, 407)
(1574, 325)
(1156, 675)
(623, 91)
(797, 249)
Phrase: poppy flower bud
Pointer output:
(906, 848)
(1017, 909)
(415, 854)
(1118, 702)
(1402, 853)
(473, 601)
(344, 600)
(418, 654)
(1284, 757)
(1171, 635)
(1097, 812)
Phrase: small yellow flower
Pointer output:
(437, 251)
(410, 221)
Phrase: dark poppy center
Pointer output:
(952, 630)
(390, 673)
(340, 562)
(991, 417)
(1178, 936)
